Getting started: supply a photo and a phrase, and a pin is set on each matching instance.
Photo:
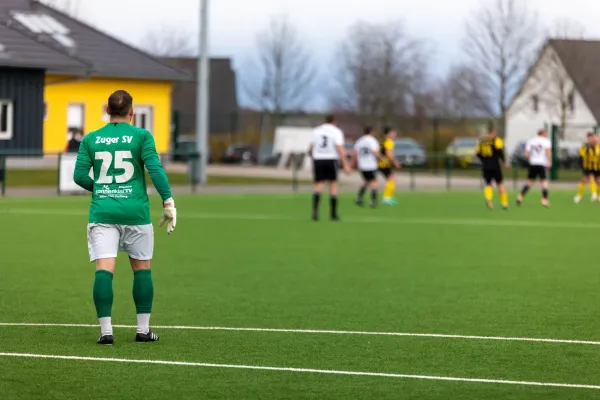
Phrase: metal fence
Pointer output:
(50, 175)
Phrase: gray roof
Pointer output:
(110, 57)
(581, 59)
(24, 51)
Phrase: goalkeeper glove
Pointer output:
(169, 215)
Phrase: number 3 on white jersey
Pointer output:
(120, 163)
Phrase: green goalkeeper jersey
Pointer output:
(117, 154)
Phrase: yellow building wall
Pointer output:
(93, 94)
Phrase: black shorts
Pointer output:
(493, 175)
(588, 172)
(537, 171)
(325, 170)
(386, 172)
(368, 176)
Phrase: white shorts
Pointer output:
(106, 240)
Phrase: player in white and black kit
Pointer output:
(366, 156)
(327, 150)
(538, 152)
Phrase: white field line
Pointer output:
(376, 220)
(305, 370)
(316, 331)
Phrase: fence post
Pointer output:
(3, 174)
(515, 176)
(58, 178)
(555, 160)
(448, 173)
(436, 139)
(411, 171)
(294, 173)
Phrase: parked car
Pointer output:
(517, 158)
(461, 152)
(409, 153)
(184, 150)
(240, 154)
(349, 149)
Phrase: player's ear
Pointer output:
(130, 114)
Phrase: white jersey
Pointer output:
(364, 147)
(325, 139)
(537, 149)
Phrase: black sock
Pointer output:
(361, 193)
(545, 193)
(525, 190)
(316, 200)
(333, 202)
(374, 196)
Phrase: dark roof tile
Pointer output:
(581, 59)
(109, 56)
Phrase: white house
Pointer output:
(562, 87)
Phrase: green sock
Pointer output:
(103, 293)
(143, 291)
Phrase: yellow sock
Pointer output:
(388, 191)
(593, 187)
(488, 193)
(504, 199)
(581, 189)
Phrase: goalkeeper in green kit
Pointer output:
(119, 218)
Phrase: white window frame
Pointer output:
(105, 116)
(82, 124)
(8, 133)
(149, 114)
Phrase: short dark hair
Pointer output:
(119, 104)
(590, 134)
(387, 129)
(330, 119)
(541, 132)
(367, 130)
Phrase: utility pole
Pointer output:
(202, 92)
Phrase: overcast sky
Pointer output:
(234, 23)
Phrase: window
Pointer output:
(142, 117)
(105, 116)
(75, 119)
(571, 101)
(535, 102)
(6, 119)
(43, 24)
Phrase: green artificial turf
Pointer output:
(437, 263)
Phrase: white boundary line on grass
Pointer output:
(316, 331)
(374, 220)
(305, 370)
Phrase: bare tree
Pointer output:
(383, 72)
(285, 73)
(463, 94)
(551, 83)
(169, 41)
(502, 39)
(70, 7)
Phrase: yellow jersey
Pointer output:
(386, 146)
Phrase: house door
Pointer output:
(142, 117)
(75, 119)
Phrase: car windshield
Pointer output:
(406, 145)
(465, 143)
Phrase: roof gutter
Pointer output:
(84, 78)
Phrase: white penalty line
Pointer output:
(316, 331)
(376, 220)
(305, 370)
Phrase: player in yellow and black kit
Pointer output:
(589, 161)
(491, 153)
(387, 162)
